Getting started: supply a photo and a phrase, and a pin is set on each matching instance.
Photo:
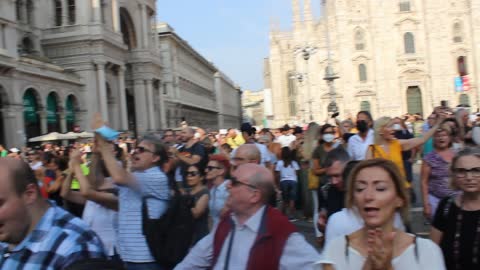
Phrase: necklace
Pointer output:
(456, 241)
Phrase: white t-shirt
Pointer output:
(348, 221)
(288, 173)
(286, 140)
(429, 256)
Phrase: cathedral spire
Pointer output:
(307, 10)
(297, 17)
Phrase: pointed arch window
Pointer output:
(405, 5)
(71, 12)
(457, 32)
(58, 13)
(409, 42)
(360, 40)
(362, 73)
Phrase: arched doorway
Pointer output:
(365, 106)
(53, 121)
(128, 29)
(30, 113)
(414, 100)
(464, 100)
(71, 106)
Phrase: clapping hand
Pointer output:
(380, 250)
(75, 158)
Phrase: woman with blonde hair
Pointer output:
(386, 146)
(456, 225)
(377, 190)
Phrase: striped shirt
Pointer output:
(58, 240)
(131, 241)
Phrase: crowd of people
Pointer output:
(86, 204)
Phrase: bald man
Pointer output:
(35, 234)
(246, 153)
(252, 235)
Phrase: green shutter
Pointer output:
(51, 109)
(69, 111)
(30, 108)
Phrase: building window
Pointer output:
(103, 7)
(365, 106)
(291, 84)
(29, 11)
(293, 108)
(18, 9)
(359, 40)
(404, 5)
(409, 42)
(457, 33)
(3, 44)
(71, 12)
(462, 65)
(58, 13)
(362, 73)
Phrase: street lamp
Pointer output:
(299, 77)
(306, 52)
(330, 76)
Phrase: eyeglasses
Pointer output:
(462, 172)
(141, 150)
(209, 168)
(235, 182)
(193, 173)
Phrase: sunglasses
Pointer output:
(193, 173)
(209, 168)
(463, 172)
(235, 182)
(141, 150)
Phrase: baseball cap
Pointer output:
(246, 127)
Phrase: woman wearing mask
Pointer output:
(358, 144)
(326, 144)
(456, 226)
(435, 171)
(376, 189)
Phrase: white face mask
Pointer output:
(328, 137)
(397, 127)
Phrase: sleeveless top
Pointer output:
(201, 223)
(395, 155)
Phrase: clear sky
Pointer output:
(233, 34)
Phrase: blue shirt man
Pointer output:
(34, 234)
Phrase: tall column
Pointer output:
(65, 20)
(162, 109)
(155, 33)
(140, 108)
(63, 122)
(151, 110)
(143, 14)
(123, 99)
(43, 121)
(102, 91)
(116, 16)
(96, 10)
